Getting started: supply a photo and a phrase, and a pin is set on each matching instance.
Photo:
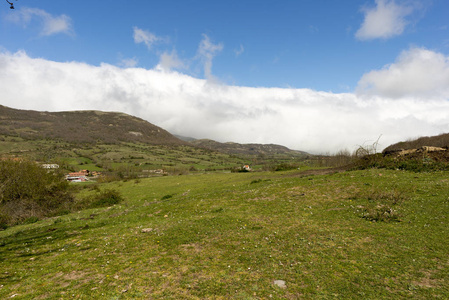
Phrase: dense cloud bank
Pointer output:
(386, 102)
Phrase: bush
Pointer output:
(106, 198)
(105, 178)
(285, 167)
(166, 197)
(29, 191)
(414, 164)
(4, 221)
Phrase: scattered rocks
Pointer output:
(280, 283)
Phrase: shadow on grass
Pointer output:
(43, 240)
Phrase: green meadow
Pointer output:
(136, 159)
(368, 234)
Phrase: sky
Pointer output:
(313, 75)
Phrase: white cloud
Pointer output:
(50, 24)
(146, 37)
(128, 62)
(417, 72)
(206, 52)
(239, 51)
(297, 118)
(169, 61)
(386, 20)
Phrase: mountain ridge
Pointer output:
(251, 148)
(93, 126)
(87, 126)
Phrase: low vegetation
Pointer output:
(29, 192)
(136, 160)
(375, 234)
(381, 206)
(416, 162)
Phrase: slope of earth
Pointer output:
(369, 234)
(82, 127)
(107, 141)
(247, 149)
(441, 140)
(128, 159)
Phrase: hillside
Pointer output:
(441, 140)
(82, 127)
(246, 149)
(122, 144)
(264, 235)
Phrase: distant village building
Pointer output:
(74, 178)
(80, 176)
(156, 171)
(246, 168)
(50, 166)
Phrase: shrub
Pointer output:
(29, 191)
(108, 178)
(4, 221)
(31, 220)
(256, 181)
(166, 197)
(414, 164)
(285, 167)
(106, 198)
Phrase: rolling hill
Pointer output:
(246, 149)
(120, 143)
(441, 140)
(82, 127)
(96, 127)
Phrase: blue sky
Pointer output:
(301, 52)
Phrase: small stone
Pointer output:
(280, 283)
(145, 230)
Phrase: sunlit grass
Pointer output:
(230, 236)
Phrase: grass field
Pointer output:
(136, 159)
(371, 234)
